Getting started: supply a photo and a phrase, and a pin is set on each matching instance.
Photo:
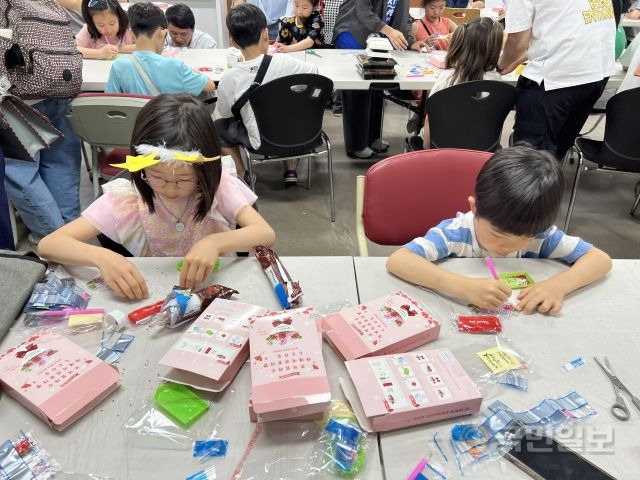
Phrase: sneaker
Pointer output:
(247, 180)
(290, 178)
(380, 146)
(364, 154)
(412, 124)
(337, 110)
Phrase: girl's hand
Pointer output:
(199, 262)
(419, 45)
(122, 276)
(279, 47)
(395, 37)
(432, 40)
(108, 51)
(487, 293)
(545, 297)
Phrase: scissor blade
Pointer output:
(606, 370)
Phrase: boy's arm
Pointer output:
(547, 296)
(210, 86)
(483, 292)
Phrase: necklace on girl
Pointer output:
(179, 224)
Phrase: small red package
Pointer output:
(479, 324)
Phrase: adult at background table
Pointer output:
(73, 10)
(274, 10)
(571, 48)
(182, 29)
(362, 110)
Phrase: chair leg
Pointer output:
(250, 169)
(635, 205)
(309, 173)
(85, 157)
(95, 172)
(14, 223)
(574, 190)
(330, 164)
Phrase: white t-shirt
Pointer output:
(199, 39)
(235, 82)
(444, 79)
(572, 43)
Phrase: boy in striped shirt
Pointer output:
(517, 197)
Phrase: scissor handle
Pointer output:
(620, 410)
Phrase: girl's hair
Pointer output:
(180, 122)
(474, 49)
(89, 7)
(427, 2)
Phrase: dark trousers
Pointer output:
(361, 116)
(551, 120)
(6, 235)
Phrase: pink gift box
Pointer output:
(396, 391)
(288, 376)
(437, 58)
(55, 378)
(211, 352)
(392, 324)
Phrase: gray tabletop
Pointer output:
(601, 319)
(100, 444)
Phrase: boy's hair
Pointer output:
(145, 18)
(180, 122)
(179, 15)
(89, 7)
(519, 190)
(427, 2)
(474, 49)
(246, 24)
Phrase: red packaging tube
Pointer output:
(479, 324)
(145, 312)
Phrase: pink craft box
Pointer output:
(437, 58)
(392, 324)
(211, 352)
(55, 378)
(397, 391)
(288, 376)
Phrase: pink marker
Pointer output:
(492, 268)
(416, 471)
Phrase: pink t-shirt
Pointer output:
(443, 27)
(122, 215)
(83, 39)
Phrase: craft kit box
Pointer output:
(288, 376)
(211, 352)
(392, 324)
(55, 378)
(396, 391)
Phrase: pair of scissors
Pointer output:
(619, 408)
(310, 51)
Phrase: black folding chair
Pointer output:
(620, 149)
(469, 115)
(305, 94)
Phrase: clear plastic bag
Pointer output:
(59, 290)
(62, 322)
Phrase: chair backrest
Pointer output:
(306, 94)
(621, 148)
(460, 16)
(105, 119)
(407, 194)
(470, 115)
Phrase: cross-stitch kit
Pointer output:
(288, 376)
(55, 379)
(212, 350)
(392, 324)
(395, 391)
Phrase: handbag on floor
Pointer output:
(19, 272)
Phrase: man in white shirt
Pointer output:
(570, 47)
(182, 29)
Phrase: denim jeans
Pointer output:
(46, 192)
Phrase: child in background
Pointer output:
(106, 31)
(303, 30)
(433, 28)
(473, 55)
(147, 72)
(517, 197)
(247, 27)
(182, 29)
(179, 202)
(634, 11)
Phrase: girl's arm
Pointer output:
(200, 260)
(67, 245)
(106, 51)
(296, 47)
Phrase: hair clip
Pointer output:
(149, 155)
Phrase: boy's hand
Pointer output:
(108, 51)
(545, 297)
(199, 263)
(487, 293)
(122, 276)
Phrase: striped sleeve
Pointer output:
(449, 238)
(558, 244)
